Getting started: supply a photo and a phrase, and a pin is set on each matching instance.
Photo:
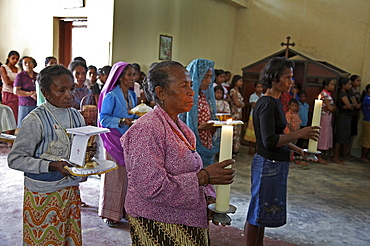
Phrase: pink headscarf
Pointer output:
(111, 140)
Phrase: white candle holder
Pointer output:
(221, 217)
(311, 156)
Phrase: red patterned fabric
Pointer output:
(52, 218)
(204, 115)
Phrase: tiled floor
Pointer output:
(327, 205)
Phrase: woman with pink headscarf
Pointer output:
(115, 102)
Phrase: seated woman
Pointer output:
(115, 102)
(167, 187)
(203, 110)
(51, 209)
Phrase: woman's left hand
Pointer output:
(205, 126)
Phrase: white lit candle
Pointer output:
(226, 147)
(312, 144)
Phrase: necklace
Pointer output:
(190, 147)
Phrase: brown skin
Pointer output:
(61, 96)
(127, 81)
(206, 82)
(13, 60)
(178, 98)
(255, 234)
(28, 67)
(80, 76)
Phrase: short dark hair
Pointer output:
(20, 63)
(293, 100)
(72, 66)
(47, 59)
(47, 75)
(274, 69)
(79, 58)
(302, 92)
(92, 67)
(136, 67)
(159, 75)
(343, 81)
(218, 72)
(326, 82)
(219, 88)
(354, 77)
(104, 70)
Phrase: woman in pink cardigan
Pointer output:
(168, 191)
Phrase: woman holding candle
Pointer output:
(270, 165)
(168, 193)
(203, 110)
(328, 108)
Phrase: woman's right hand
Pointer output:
(218, 174)
(59, 166)
(310, 132)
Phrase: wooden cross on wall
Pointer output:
(287, 46)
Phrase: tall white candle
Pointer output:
(312, 144)
(226, 147)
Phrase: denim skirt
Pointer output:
(267, 207)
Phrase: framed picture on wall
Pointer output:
(165, 47)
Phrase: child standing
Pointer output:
(222, 105)
(249, 133)
(365, 137)
(328, 108)
(293, 119)
(237, 105)
(303, 114)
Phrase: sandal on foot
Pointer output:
(110, 223)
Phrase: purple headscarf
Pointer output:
(111, 140)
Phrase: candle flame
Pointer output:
(319, 97)
(228, 121)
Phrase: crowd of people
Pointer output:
(177, 179)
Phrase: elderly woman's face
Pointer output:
(128, 79)
(207, 80)
(61, 92)
(27, 64)
(285, 81)
(178, 97)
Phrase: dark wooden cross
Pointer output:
(287, 46)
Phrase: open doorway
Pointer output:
(71, 38)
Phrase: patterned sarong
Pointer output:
(146, 232)
(52, 218)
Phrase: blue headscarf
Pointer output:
(197, 70)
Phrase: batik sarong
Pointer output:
(52, 218)
(146, 232)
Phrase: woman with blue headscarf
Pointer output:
(204, 109)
